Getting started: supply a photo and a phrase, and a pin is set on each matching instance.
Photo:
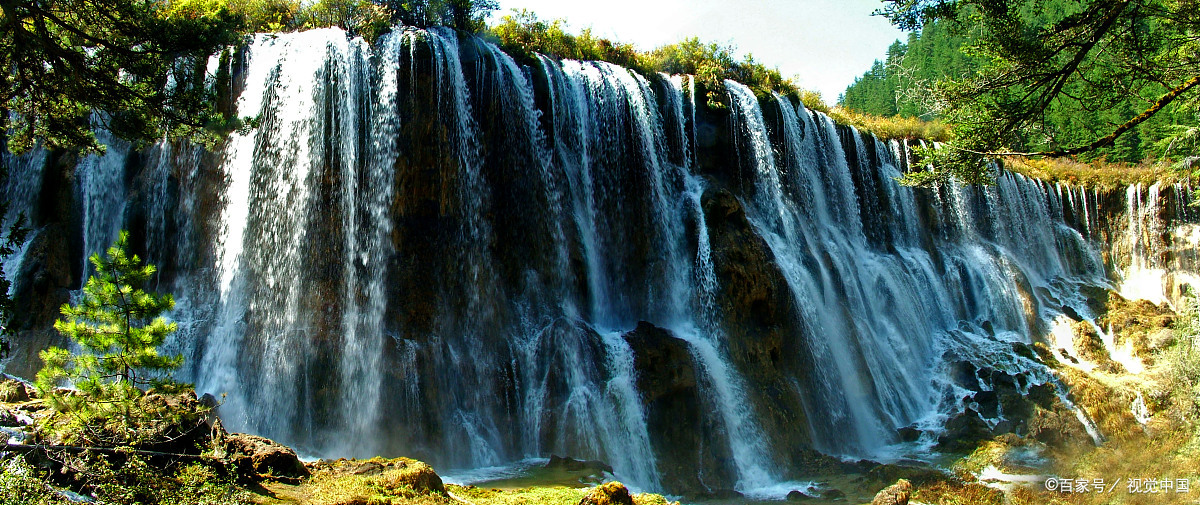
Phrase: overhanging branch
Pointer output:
(1106, 140)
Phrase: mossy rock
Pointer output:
(258, 458)
(895, 494)
(609, 493)
(13, 391)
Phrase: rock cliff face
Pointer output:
(428, 249)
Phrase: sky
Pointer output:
(825, 44)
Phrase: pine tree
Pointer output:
(119, 327)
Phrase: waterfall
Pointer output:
(102, 188)
(21, 192)
(1160, 258)
(430, 248)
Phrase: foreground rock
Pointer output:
(15, 391)
(260, 458)
(610, 493)
(895, 494)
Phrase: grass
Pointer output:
(1096, 174)
(527, 496)
(896, 127)
(955, 493)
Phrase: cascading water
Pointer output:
(430, 249)
(102, 187)
(23, 185)
(1157, 258)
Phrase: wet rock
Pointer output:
(261, 458)
(569, 354)
(609, 493)
(575, 465)
(964, 373)
(963, 432)
(895, 494)
(833, 494)
(1070, 312)
(1096, 298)
(909, 433)
(795, 495)
(989, 404)
(1025, 351)
(1044, 395)
(763, 326)
(675, 410)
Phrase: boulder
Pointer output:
(575, 465)
(13, 391)
(609, 493)
(257, 458)
(909, 433)
(963, 432)
(8, 419)
(895, 494)
(398, 476)
(417, 475)
(795, 495)
(833, 494)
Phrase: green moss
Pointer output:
(376, 481)
(552, 495)
(20, 485)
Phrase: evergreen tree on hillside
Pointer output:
(119, 327)
(1090, 78)
(904, 83)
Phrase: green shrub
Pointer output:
(20, 485)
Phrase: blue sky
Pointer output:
(825, 44)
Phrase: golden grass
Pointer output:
(896, 127)
(549, 495)
(954, 493)
(1097, 174)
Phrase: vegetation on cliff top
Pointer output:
(523, 34)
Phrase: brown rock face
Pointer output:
(262, 457)
(761, 322)
(688, 447)
(609, 493)
(895, 494)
